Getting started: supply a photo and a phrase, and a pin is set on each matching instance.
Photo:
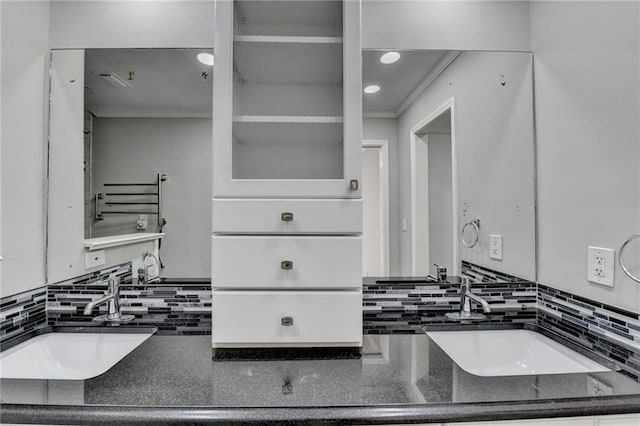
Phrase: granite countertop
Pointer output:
(399, 378)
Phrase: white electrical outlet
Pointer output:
(600, 265)
(495, 247)
(94, 258)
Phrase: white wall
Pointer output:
(456, 25)
(134, 150)
(587, 75)
(493, 130)
(25, 62)
(134, 24)
(387, 128)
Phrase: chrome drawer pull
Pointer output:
(286, 321)
(286, 216)
(354, 185)
(286, 265)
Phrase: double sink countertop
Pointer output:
(399, 378)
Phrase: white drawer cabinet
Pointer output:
(281, 318)
(287, 207)
(286, 262)
(287, 216)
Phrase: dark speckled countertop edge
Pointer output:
(389, 414)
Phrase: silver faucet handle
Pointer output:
(441, 272)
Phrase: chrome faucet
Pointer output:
(143, 272)
(466, 296)
(441, 274)
(113, 297)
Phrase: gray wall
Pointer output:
(25, 68)
(135, 150)
(587, 59)
(493, 128)
(108, 23)
(387, 128)
(456, 25)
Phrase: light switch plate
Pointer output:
(600, 265)
(495, 247)
(94, 258)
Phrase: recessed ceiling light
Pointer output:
(205, 58)
(389, 58)
(372, 88)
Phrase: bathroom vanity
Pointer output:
(398, 378)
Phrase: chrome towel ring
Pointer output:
(621, 258)
(475, 223)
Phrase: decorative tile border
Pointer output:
(178, 309)
(478, 274)
(607, 330)
(404, 307)
(22, 313)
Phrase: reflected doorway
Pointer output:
(434, 193)
(375, 206)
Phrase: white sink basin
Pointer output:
(67, 356)
(511, 353)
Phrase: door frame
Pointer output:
(383, 145)
(449, 104)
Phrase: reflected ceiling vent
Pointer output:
(114, 79)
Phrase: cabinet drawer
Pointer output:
(286, 262)
(311, 318)
(280, 216)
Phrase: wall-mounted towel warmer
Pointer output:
(109, 203)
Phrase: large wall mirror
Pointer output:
(460, 166)
(466, 167)
(144, 116)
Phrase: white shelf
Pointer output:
(287, 39)
(286, 119)
(100, 243)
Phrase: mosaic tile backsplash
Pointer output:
(180, 309)
(404, 307)
(480, 274)
(22, 313)
(607, 330)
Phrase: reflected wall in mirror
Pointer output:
(146, 114)
(465, 167)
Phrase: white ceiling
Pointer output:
(166, 83)
(169, 82)
(397, 81)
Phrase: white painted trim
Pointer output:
(383, 114)
(442, 65)
(448, 105)
(287, 119)
(287, 39)
(106, 113)
(121, 240)
(383, 145)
